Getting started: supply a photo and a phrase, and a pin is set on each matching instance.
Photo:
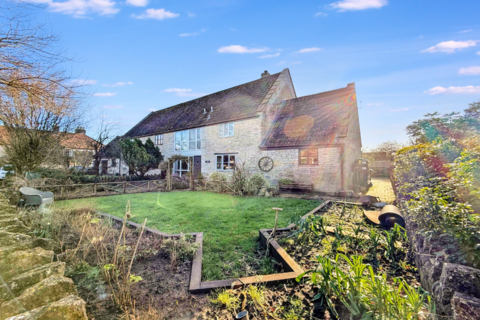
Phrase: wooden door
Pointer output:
(104, 169)
(197, 166)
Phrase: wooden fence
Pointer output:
(381, 168)
(76, 191)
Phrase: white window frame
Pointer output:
(188, 140)
(177, 167)
(222, 161)
(68, 152)
(159, 139)
(226, 129)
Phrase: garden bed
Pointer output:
(230, 224)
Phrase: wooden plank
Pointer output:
(196, 273)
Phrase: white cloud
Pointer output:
(307, 50)
(375, 104)
(152, 109)
(191, 14)
(112, 107)
(478, 53)
(196, 33)
(465, 31)
(118, 84)
(470, 71)
(346, 5)
(288, 62)
(176, 90)
(320, 14)
(451, 46)
(82, 82)
(240, 49)
(454, 90)
(158, 14)
(296, 62)
(270, 55)
(81, 8)
(280, 63)
(399, 110)
(105, 94)
(138, 3)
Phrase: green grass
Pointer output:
(230, 223)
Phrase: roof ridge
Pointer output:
(218, 92)
(334, 91)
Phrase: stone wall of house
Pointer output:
(353, 148)
(280, 91)
(33, 286)
(326, 177)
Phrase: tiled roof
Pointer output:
(240, 102)
(77, 141)
(318, 119)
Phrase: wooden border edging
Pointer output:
(197, 286)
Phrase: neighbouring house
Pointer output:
(262, 124)
(77, 147)
(111, 162)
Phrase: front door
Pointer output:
(197, 166)
(104, 169)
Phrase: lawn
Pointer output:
(230, 223)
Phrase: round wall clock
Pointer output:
(265, 164)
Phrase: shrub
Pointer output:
(254, 183)
(218, 182)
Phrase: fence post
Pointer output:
(94, 189)
(148, 186)
(61, 192)
(124, 187)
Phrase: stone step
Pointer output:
(69, 308)
(5, 222)
(45, 292)
(16, 228)
(20, 283)
(9, 216)
(22, 261)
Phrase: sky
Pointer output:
(407, 58)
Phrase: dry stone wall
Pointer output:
(442, 265)
(32, 285)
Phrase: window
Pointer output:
(225, 162)
(159, 139)
(188, 140)
(308, 157)
(68, 153)
(226, 130)
(180, 167)
(114, 162)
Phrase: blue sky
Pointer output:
(406, 57)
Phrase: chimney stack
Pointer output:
(265, 74)
(80, 130)
(56, 129)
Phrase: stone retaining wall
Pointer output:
(32, 285)
(446, 274)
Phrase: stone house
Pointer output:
(265, 126)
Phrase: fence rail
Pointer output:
(87, 190)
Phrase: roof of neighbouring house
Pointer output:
(112, 149)
(318, 119)
(69, 140)
(77, 141)
(237, 103)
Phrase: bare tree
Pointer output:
(38, 100)
(106, 129)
